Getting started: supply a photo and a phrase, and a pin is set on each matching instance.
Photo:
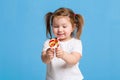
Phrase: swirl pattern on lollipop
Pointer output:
(54, 43)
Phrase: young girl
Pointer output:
(62, 61)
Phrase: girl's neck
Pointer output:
(64, 40)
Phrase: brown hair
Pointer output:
(76, 19)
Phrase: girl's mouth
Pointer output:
(60, 34)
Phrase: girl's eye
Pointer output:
(64, 26)
(55, 26)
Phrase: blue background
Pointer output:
(22, 33)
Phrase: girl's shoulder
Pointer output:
(73, 42)
(76, 40)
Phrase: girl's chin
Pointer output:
(60, 37)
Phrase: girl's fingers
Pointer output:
(51, 54)
(57, 49)
(49, 50)
(52, 49)
(51, 57)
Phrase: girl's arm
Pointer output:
(70, 59)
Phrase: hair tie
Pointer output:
(76, 20)
(74, 15)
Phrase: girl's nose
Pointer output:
(59, 29)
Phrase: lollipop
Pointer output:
(54, 43)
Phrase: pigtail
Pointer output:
(79, 24)
(48, 24)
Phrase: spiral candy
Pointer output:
(54, 43)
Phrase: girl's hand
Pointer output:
(50, 53)
(59, 52)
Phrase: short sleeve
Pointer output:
(45, 45)
(77, 46)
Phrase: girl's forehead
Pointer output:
(59, 17)
(61, 20)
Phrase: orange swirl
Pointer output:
(53, 43)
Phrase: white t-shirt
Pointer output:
(57, 69)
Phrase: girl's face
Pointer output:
(62, 28)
